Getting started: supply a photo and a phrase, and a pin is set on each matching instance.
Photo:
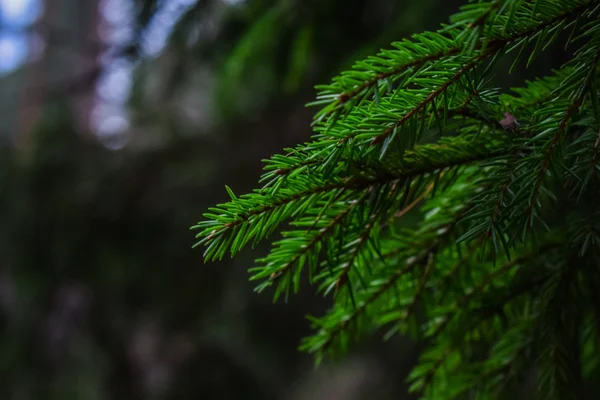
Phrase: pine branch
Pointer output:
(320, 236)
(421, 260)
(242, 218)
(424, 375)
(470, 293)
(483, 178)
(450, 276)
(421, 257)
(344, 140)
(343, 277)
(429, 99)
(556, 139)
(336, 95)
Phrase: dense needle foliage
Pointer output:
(500, 272)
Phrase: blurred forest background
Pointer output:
(121, 121)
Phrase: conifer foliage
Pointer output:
(430, 203)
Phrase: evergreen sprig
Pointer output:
(419, 209)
